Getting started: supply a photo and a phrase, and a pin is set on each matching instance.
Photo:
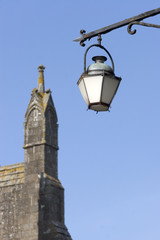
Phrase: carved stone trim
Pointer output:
(40, 143)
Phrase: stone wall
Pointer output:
(31, 207)
(11, 201)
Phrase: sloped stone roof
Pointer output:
(12, 175)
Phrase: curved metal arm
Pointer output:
(87, 36)
(100, 46)
(139, 23)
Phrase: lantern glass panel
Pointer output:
(83, 91)
(110, 85)
(93, 85)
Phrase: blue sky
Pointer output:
(108, 162)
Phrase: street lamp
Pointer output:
(98, 83)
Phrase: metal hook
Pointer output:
(99, 39)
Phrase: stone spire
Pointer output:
(41, 88)
(31, 195)
(43, 190)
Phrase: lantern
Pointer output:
(98, 84)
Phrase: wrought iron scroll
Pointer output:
(129, 28)
(82, 32)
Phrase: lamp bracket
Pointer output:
(140, 23)
(127, 22)
(100, 46)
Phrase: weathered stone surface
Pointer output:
(31, 195)
(12, 175)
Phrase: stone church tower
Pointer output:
(31, 195)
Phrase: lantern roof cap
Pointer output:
(99, 65)
(101, 59)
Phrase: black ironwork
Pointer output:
(100, 46)
(99, 39)
(140, 23)
(130, 21)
